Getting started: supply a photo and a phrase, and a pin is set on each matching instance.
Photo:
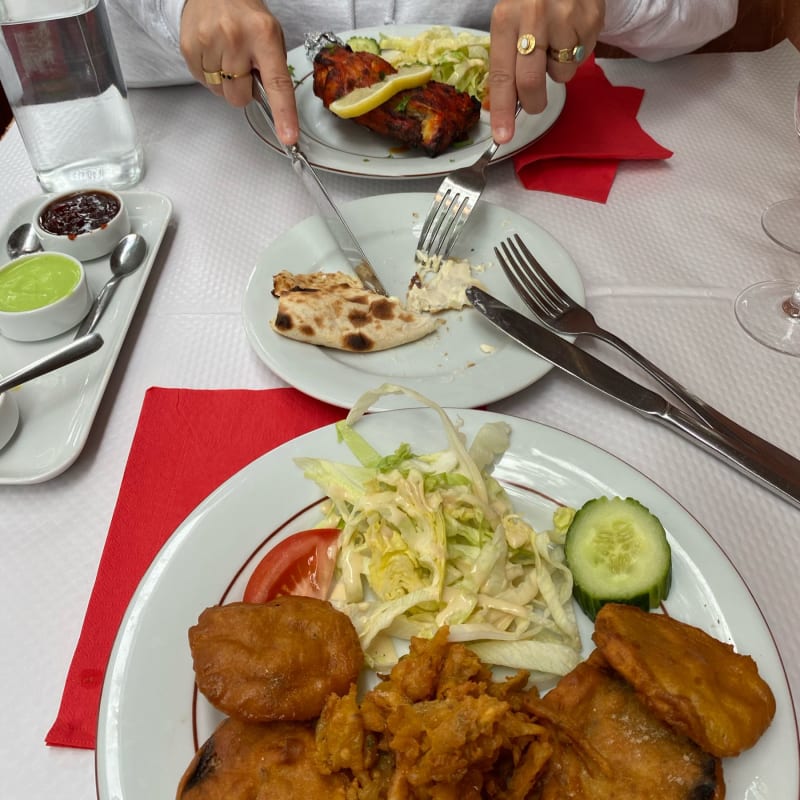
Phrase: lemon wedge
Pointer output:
(359, 101)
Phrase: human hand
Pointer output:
(555, 25)
(222, 41)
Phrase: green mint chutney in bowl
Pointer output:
(42, 295)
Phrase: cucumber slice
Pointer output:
(364, 44)
(618, 553)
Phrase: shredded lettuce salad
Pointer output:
(432, 539)
(460, 59)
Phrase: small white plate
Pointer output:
(340, 145)
(57, 410)
(149, 725)
(464, 363)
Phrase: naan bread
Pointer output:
(333, 309)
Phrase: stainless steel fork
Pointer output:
(556, 310)
(454, 201)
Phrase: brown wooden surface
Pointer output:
(760, 24)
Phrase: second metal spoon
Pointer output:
(125, 258)
(23, 240)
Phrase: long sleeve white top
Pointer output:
(147, 31)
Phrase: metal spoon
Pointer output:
(55, 360)
(23, 240)
(125, 258)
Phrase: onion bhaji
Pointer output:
(436, 727)
(274, 661)
(250, 760)
(617, 749)
(690, 680)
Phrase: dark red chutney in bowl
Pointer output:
(79, 212)
(85, 223)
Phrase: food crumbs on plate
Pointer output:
(440, 284)
(488, 348)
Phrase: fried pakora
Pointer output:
(617, 748)
(249, 760)
(274, 661)
(437, 727)
(694, 682)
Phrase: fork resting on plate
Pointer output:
(556, 310)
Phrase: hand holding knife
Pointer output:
(333, 218)
(781, 476)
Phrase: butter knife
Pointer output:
(781, 477)
(331, 215)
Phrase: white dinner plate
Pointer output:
(464, 363)
(340, 145)
(149, 724)
(57, 410)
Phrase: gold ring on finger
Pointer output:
(232, 76)
(526, 44)
(567, 55)
(213, 78)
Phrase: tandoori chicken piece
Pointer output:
(695, 683)
(430, 118)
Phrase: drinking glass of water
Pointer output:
(61, 74)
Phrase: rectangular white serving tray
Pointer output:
(58, 409)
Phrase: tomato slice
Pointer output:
(302, 564)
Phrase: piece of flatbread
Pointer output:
(333, 309)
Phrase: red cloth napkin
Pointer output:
(596, 130)
(187, 443)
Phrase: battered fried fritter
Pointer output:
(692, 681)
(251, 760)
(617, 748)
(274, 661)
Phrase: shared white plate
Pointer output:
(339, 145)
(465, 363)
(57, 410)
(149, 725)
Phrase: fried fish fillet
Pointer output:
(691, 680)
(431, 117)
(250, 760)
(617, 748)
(274, 661)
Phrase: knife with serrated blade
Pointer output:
(781, 478)
(331, 215)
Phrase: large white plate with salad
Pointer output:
(465, 362)
(340, 145)
(150, 722)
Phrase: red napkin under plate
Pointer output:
(596, 129)
(187, 443)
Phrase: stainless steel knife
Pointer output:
(783, 478)
(333, 218)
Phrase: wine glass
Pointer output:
(770, 311)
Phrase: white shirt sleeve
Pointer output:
(659, 29)
(147, 32)
(147, 37)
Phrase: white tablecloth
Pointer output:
(662, 262)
